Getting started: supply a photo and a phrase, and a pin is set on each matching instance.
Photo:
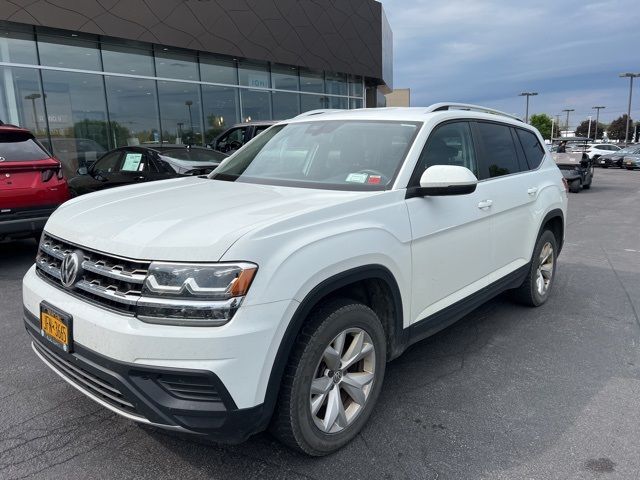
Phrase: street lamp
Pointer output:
(527, 94)
(33, 97)
(568, 110)
(188, 103)
(597, 109)
(631, 76)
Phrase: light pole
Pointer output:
(589, 130)
(568, 110)
(558, 125)
(527, 94)
(631, 76)
(597, 109)
(33, 97)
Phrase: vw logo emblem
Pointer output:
(70, 268)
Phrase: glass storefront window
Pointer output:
(336, 83)
(122, 58)
(355, 86)
(255, 105)
(311, 81)
(133, 111)
(176, 64)
(284, 77)
(355, 103)
(221, 110)
(338, 102)
(77, 114)
(69, 51)
(21, 99)
(17, 44)
(180, 113)
(313, 102)
(285, 105)
(218, 70)
(254, 74)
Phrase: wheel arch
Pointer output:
(334, 287)
(554, 221)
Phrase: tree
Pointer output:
(583, 129)
(617, 127)
(542, 122)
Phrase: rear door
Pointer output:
(451, 235)
(512, 189)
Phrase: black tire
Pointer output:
(528, 293)
(587, 185)
(293, 423)
(574, 186)
(605, 166)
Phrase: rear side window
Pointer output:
(533, 151)
(499, 156)
(20, 147)
(448, 144)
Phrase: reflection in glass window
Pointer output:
(355, 85)
(285, 105)
(77, 117)
(176, 64)
(69, 52)
(21, 99)
(254, 74)
(311, 81)
(338, 102)
(221, 109)
(133, 110)
(336, 83)
(355, 103)
(180, 112)
(313, 102)
(255, 105)
(17, 44)
(218, 70)
(127, 59)
(284, 77)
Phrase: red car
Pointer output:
(32, 185)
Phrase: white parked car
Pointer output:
(596, 150)
(273, 292)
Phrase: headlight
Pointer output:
(194, 294)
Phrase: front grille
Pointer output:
(85, 379)
(111, 282)
(189, 387)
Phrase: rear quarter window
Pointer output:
(20, 147)
(533, 151)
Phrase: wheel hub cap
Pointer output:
(544, 274)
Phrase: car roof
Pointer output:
(255, 124)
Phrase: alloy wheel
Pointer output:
(545, 269)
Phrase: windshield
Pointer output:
(20, 147)
(332, 154)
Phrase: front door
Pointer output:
(451, 235)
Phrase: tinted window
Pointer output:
(20, 147)
(499, 155)
(448, 144)
(533, 151)
(108, 163)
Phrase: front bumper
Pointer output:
(143, 363)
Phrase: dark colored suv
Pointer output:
(235, 137)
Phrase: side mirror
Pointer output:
(82, 171)
(443, 180)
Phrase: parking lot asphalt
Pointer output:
(508, 392)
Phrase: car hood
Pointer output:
(186, 219)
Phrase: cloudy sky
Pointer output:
(488, 51)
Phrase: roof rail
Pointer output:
(438, 107)
(318, 112)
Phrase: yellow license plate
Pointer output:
(55, 328)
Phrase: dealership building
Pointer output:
(88, 76)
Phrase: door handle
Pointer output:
(485, 204)
(532, 190)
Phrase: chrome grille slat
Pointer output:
(109, 281)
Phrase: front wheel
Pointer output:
(536, 287)
(333, 378)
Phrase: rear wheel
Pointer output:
(536, 287)
(333, 379)
(574, 187)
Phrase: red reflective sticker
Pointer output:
(374, 179)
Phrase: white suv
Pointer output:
(272, 292)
